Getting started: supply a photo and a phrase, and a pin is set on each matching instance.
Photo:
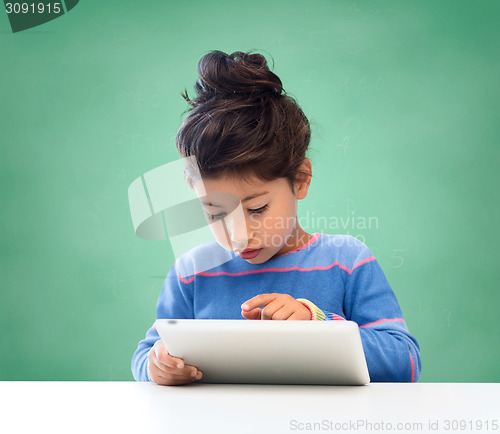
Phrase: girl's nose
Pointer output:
(239, 246)
(238, 230)
(239, 235)
(241, 239)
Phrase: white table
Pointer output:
(123, 407)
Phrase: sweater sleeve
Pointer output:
(175, 301)
(320, 315)
(392, 353)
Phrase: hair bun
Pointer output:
(228, 76)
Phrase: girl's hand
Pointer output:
(276, 306)
(164, 369)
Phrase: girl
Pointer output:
(249, 141)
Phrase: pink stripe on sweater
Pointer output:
(276, 270)
(412, 369)
(185, 280)
(364, 261)
(383, 320)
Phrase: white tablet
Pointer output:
(268, 352)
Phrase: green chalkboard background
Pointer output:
(403, 102)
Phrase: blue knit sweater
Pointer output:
(337, 273)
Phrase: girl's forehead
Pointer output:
(234, 185)
(229, 189)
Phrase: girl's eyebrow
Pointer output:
(253, 196)
(211, 204)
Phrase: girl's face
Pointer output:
(254, 218)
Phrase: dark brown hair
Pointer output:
(242, 121)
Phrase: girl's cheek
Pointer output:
(220, 235)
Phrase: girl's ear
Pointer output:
(303, 180)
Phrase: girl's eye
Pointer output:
(259, 210)
(216, 216)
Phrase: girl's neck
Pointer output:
(297, 239)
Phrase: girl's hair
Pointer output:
(242, 122)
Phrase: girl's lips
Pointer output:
(250, 254)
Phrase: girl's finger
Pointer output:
(258, 300)
(272, 308)
(187, 374)
(284, 313)
(252, 314)
(187, 371)
(165, 358)
(295, 316)
(170, 380)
